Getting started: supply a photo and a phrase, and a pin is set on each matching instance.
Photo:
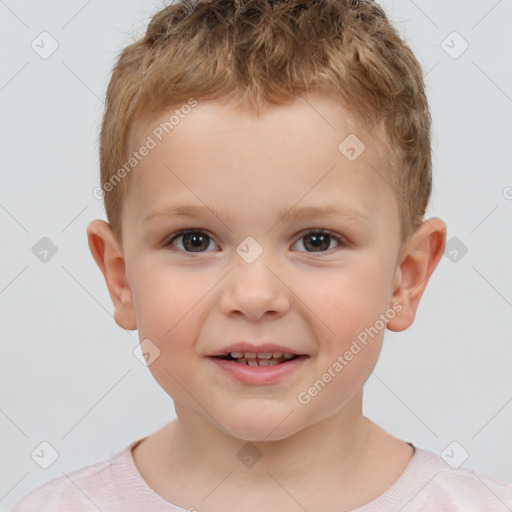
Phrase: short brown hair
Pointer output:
(269, 52)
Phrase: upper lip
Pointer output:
(258, 348)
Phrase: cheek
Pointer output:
(167, 300)
(168, 303)
(344, 301)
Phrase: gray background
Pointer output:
(68, 373)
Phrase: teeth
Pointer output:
(258, 362)
(261, 358)
(261, 355)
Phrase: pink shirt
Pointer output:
(427, 484)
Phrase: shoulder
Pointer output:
(459, 489)
(89, 489)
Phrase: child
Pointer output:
(266, 167)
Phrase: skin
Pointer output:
(325, 453)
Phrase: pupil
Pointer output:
(196, 239)
(318, 239)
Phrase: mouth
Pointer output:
(258, 368)
(260, 359)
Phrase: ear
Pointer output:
(108, 254)
(418, 260)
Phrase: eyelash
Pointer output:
(338, 238)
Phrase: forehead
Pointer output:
(307, 152)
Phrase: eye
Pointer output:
(320, 240)
(195, 240)
(192, 239)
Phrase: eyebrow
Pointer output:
(289, 214)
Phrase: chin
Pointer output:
(260, 426)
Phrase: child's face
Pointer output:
(196, 296)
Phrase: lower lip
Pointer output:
(259, 375)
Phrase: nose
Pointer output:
(254, 290)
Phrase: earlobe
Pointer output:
(108, 254)
(419, 261)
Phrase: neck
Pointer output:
(336, 445)
(344, 459)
